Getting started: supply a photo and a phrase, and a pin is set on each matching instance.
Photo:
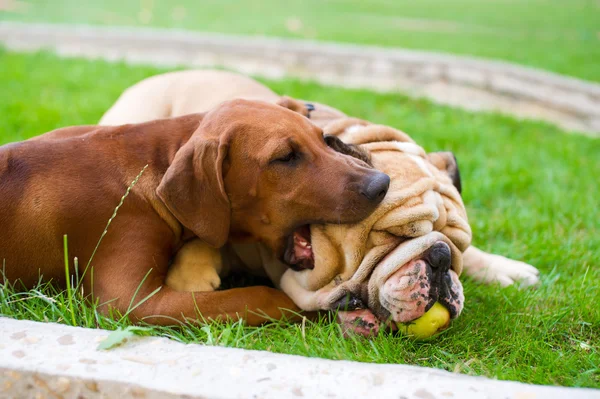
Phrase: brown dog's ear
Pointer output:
(294, 105)
(446, 161)
(348, 149)
(194, 191)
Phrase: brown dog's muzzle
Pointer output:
(377, 183)
(355, 191)
(360, 189)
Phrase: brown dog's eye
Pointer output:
(289, 158)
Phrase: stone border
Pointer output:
(53, 360)
(471, 83)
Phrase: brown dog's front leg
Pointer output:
(120, 275)
(156, 303)
(256, 305)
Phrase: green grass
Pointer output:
(531, 191)
(558, 35)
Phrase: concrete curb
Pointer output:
(466, 82)
(52, 360)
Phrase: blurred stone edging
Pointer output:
(466, 82)
(57, 361)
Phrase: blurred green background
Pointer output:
(558, 35)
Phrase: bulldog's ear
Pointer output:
(294, 105)
(355, 151)
(194, 191)
(446, 161)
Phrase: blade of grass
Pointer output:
(76, 266)
(150, 295)
(137, 290)
(131, 309)
(68, 279)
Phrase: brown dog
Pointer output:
(246, 170)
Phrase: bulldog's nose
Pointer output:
(377, 187)
(439, 256)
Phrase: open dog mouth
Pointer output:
(298, 254)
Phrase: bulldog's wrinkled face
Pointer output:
(404, 257)
(413, 289)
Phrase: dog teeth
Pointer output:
(303, 244)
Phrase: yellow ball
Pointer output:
(435, 319)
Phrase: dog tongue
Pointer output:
(302, 248)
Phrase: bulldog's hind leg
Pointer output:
(196, 268)
(490, 268)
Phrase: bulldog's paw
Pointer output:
(204, 282)
(505, 271)
(361, 322)
(191, 277)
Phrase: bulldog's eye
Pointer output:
(290, 158)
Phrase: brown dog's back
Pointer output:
(70, 185)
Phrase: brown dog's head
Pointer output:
(258, 170)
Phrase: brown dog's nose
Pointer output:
(377, 187)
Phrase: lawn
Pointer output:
(561, 36)
(531, 192)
